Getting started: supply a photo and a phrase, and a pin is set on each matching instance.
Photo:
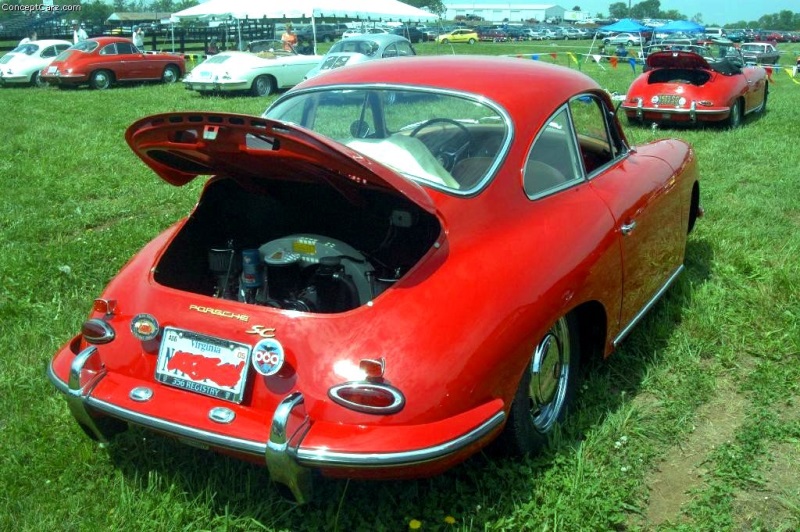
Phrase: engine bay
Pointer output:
(310, 273)
(296, 246)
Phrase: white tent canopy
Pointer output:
(385, 10)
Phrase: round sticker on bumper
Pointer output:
(268, 356)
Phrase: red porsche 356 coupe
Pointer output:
(393, 266)
(696, 84)
(104, 61)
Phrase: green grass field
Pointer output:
(694, 424)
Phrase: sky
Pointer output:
(713, 11)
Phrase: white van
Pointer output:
(715, 33)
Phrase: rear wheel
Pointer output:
(171, 74)
(37, 81)
(766, 96)
(100, 80)
(546, 389)
(445, 41)
(735, 118)
(471, 41)
(263, 86)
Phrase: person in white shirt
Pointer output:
(78, 33)
(29, 38)
(138, 37)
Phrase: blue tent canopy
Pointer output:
(685, 26)
(627, 25)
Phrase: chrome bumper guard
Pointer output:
(84, 374)
(287, 462)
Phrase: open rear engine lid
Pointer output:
(677, 59)
(181, 146)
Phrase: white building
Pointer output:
(498, 11)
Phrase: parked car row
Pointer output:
(99, 62)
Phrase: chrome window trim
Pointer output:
(581, 178)
(477, 98)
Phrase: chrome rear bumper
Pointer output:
(288, 462)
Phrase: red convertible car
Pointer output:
(696, 84)
(393, 266)
(104, 61)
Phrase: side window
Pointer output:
(390, 51)
(404, 49)
(126, 48)
(596, 144)
(111, 49)
(50, 51)
(553, 162)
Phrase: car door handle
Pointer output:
(627, 228)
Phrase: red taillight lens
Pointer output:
(106, 306)
(97, 331)
(369, 398)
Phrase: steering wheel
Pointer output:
(451, 149)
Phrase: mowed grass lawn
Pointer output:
(693, 424)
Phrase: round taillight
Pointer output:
(145, 327)
(370, 398)
(96, 331)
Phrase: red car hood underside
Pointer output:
(181, 146)
(677, 59)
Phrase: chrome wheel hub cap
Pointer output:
(549, 378)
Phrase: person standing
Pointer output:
(138, 37)
(289, 38)
(78, 33)
(31, 37)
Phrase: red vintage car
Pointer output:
(395, 265)
(696, 84)
(104, 61)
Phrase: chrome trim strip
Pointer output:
(323, 458)
(180, 431)
(673, 111)
(60, 385)
(648, 306)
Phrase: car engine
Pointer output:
(305, 272)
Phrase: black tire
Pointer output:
(263, 86)
(101, 80)
(37, 81)
(445, 41)
(471, 41)
(546, 390)
(171, 74)
(735, 118)
(766, 97)
(630, 43)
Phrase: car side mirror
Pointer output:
(359, 129)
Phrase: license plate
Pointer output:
(203, 364)
(52, 69)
